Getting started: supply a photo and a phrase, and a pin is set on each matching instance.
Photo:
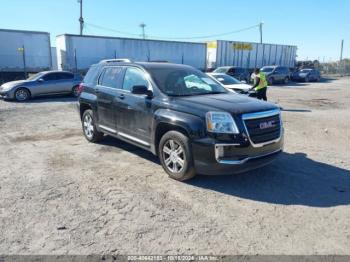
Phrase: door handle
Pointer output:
(121, 96)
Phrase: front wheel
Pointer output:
(22, 94)
(175, 156)
(89, 127)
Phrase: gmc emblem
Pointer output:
(267, 124)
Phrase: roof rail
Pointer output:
(116, 60)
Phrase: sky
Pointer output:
(315, 26)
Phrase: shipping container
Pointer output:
(24, 48)
(76, 52)
(249, 55)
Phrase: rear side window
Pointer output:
(65, 76)
(110, 76)
(51, 76)
(91, 76)
(134, 77)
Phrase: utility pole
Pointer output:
(143, 25)
(341, 56)
(261, 32)
(81, 19)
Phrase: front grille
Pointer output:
(263, 129)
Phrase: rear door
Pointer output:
(65, 82)
(134, 112)
(108, 94)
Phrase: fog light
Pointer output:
(219, 151)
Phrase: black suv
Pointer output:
(180, 114)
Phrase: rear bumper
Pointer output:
(242, 158)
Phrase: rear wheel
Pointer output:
(22, 94)
(175, 156)
(75, 91)
(89, 127)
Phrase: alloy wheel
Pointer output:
(88, 126)
(173, 155)
(21, 95)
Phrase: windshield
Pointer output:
(227, 80)
(305, 70)
(35, 76)
(185, 82)
(267, 69)
(221, 70)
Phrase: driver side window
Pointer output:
(134, 77)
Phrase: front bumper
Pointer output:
(6, 94)
(210, 159)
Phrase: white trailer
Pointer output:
(21, 51)
(75, 52)
(249, 55)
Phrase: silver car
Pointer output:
(43, 83)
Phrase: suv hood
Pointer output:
(230, 102)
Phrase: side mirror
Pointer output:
(141, 90)
(243, 82)
(40, 80)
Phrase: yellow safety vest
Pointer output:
(262, 82)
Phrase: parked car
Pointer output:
(40, 84)
(276, 74)
(192, 123)
(237, 72)
(231, 83)
(307, 75)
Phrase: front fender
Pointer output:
(194, 125)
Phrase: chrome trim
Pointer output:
(134, 139)
(262, 115)
(242, 161)
(107, 129)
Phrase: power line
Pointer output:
(175, 38)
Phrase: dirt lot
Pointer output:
(60, 194)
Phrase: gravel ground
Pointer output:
(62, 195)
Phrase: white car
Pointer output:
(231, 83)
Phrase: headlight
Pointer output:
(6, 88)
(221, 122)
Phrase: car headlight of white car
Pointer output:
(221, 122)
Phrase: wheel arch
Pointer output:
(167, 120)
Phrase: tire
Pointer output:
(271, 81)
(22, 94)
(176, 156)
(89, 127)
(75, 91)
(307, 79)
(286, 81)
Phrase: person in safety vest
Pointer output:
(260, 84)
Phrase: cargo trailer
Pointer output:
(249, 55)
(24, 50)
(75, 52)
